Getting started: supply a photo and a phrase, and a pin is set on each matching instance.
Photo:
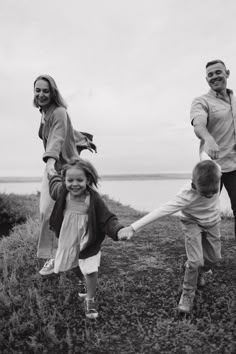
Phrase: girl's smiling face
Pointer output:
(76, 182)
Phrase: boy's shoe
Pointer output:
(204, 277)
(90, 309)
(82, 289)
(185, 303)
(48, 267)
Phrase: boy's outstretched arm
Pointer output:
(167, 209)
(127, 232)
(181, 200)
(171, 207)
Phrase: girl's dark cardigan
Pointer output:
(101, 221)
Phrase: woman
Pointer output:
(59, 143)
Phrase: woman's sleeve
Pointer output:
(57, 134)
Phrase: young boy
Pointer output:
(198, 204)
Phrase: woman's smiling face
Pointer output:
(42, 93)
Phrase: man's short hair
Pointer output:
(216, 61)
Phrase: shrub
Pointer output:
(15, 209)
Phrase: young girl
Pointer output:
(81, 220)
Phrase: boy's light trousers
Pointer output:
(203, 249)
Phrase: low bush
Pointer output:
(15, 209)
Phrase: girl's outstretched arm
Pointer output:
(108, 221)
(55, 186)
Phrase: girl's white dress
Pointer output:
(73, 234)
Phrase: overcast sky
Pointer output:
(128, 69)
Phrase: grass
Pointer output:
(139, 288)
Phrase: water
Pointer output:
(20, 187)
(143, 195)
(146, 195)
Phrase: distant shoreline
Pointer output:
(151, 176)
(121, 177)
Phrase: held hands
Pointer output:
(50, 167)
(126, 233)
(211, 148)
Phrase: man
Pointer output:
(213, 117)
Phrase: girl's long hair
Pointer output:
(86, 166)
(56, 97)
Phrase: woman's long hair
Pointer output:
(56, 97)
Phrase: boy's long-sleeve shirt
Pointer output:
(190, 204)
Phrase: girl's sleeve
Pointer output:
(55, 186)
(57, 134)
(108, 221)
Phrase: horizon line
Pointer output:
(114, 176)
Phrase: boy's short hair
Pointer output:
(206, 173)
(213, 62)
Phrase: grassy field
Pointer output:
(139, 288)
